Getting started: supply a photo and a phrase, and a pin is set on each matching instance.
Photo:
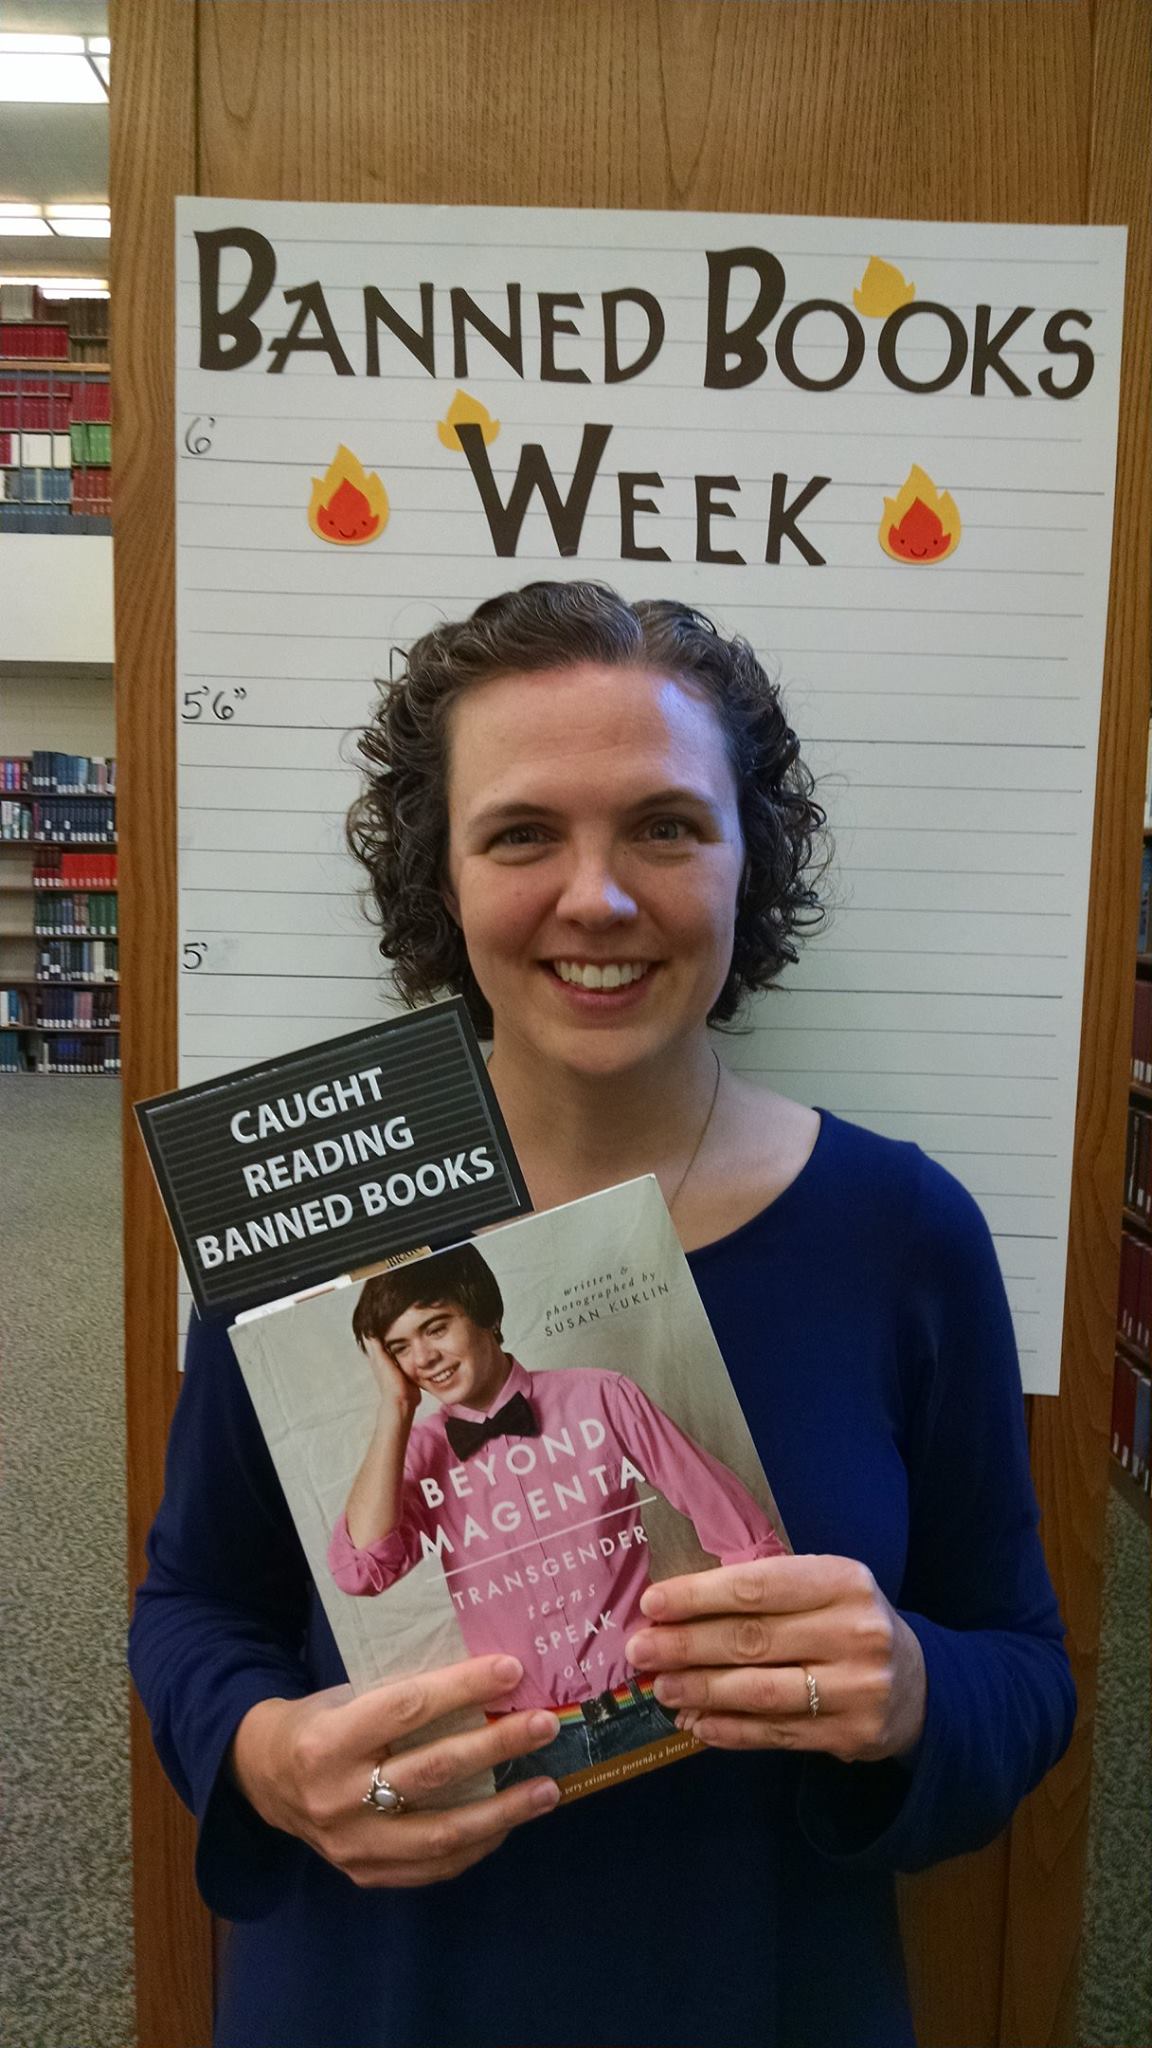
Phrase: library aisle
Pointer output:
(65, 1873)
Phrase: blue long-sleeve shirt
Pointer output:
(863, 1320)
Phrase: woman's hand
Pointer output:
(732, 1648)
(305, 1765)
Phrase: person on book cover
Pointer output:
(529, 1488)
(589, 817)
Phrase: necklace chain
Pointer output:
(698, 1146)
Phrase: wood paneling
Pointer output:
(1069, 1436)
(152, 158)
(1014, 110)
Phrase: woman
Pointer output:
(591, 819)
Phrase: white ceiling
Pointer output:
(54, 153)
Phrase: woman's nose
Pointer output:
(594, 894)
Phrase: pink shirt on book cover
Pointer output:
(537, 1521)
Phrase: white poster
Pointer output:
(882, 450)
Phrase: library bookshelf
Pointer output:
(59, 922)
(1132, 1370)
(55, 415)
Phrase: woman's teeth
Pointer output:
(614, 975)
(437, 1379)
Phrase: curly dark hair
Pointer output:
(460, 1276)
(398, 826)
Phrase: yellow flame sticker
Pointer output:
(466, 412)
(349, 505)
(882, 290)
(920, 524)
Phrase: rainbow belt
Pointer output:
(606, 1704)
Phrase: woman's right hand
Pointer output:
(305, 1765)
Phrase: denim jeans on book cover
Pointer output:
(581, 1744)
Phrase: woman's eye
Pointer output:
(668, 830)
(519, 835)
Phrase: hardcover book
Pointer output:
(498, 1446)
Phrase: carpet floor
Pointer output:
(65, 1872)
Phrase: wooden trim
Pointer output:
(153, 156)
(1070, 1435)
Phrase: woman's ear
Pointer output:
(450, 899)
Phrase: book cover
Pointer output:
(497, 1446)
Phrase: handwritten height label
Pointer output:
(293, 1171)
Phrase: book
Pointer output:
(489, 1443)
(572, 1436)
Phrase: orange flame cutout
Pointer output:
(921, 524)
(882, 290)
(349, 505)
(466, 412)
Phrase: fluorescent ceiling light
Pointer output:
(63, 69)
(20, 219)
(45, 46)
(92, 222)
(63, 287)
(73, 224)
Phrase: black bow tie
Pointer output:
(515, 1418)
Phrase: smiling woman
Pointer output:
(698, 684)
(591, 819)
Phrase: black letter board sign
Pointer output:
(286, 1174)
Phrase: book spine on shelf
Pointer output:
(1141, 1421)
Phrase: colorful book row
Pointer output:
(82, 1009)
(78, 960)
(37, 486)
(98, 1054)
(58, 868)
(32, 456)
(35, 451)
(1142, 927)
(1134, 1301)
(87, 916)
(15, 819)
(1138, 1163)
(1131, 1419)
(71, 774)
(65, 818)
(50, 405)
(58, 820)
(40, 341)
(96, 514)
(91, 488)
(1142, 1034)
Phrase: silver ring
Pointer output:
(813, 1693)
(383, 1797)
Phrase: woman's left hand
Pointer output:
(732, 1649)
